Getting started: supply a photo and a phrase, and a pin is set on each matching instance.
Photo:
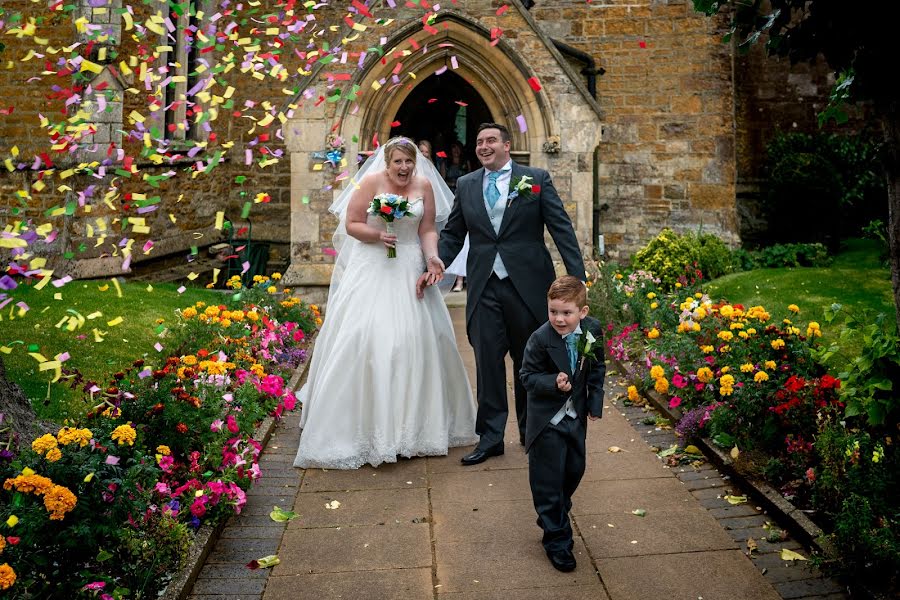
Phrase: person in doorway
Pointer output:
(504, 208)
(455, 167)
(425, 149)
(563, 369)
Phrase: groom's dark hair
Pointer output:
(504, 132)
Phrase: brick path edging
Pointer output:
(207, 536)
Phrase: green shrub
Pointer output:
(683, 258)
(782, 255)
(822, 185)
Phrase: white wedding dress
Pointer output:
(386, 378)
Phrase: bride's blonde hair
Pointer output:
(402, 144)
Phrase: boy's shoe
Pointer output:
(562, 560)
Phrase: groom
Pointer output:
(504, 208)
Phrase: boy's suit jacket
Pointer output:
(545, 357)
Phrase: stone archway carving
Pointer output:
(500, 78)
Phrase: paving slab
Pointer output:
(615, 534)
(497, 565)
(404, 473)
(659, 494)
(360, 507)
(569, 592)
(354, 549)
(513, 458)
(510, 520)
(474, 487)
(633, 462)
(709, 575)
(393, 584)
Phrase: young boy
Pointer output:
(562, 370)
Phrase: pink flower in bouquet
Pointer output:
(255, 473)
(162, 488)
(217, 425)
(272, 385)
(674, 401)
(678, 380)
(241, 375)
(166, 463)
(198, 508)
(290, 401)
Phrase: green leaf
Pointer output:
(279, 515)
(103, 555)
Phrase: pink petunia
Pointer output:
(674, 401)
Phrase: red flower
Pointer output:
(202, 352)
(181, 428)
(386, 209)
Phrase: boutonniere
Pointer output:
(522, 186)
(586, 347)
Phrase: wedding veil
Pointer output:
(344, 243)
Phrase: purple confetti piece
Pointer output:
(523, 127)
(441, 71)
(94, 389)
(8, 283)
(61, 281)
(63, 357)
(453, 62)
(246, 267)
(145, 373)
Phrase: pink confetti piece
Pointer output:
(181, 290)
(112, 460)
(453, 62)
(523, 127)
(441, 71)
(94, 389)
(63, 357)
(158, 347)
(145, 373)
(246, 267)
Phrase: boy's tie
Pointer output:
(571, 341)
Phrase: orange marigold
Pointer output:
(58, 501)
(7, 576)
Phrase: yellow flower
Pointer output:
(678, 284)
(257, 370)
(189, 359)
(725, 369)
(618, 276)
(770, 364)
(793, 308)
(53, 455)
(726, 311)
(225, 323)
(727, 380)
(726, 390)
(698, 295)
(272, 289)
(661, 385)
(725, 348)
(700, 313)
(653, 333)
(656, 372)
(200, 304)
(654, 305)
(71, 435)
(759, 313)
(794, 330)
(743, 335)
(726, 336)
(747, 368)
(44, 443)
(12, 521)
(707, 349)
(211, 311)
(651, 295)
(124, 434)
(786, 321)
(633, 393)
(276, 276)
(189, 312)
(704, 374)
(164, 450)
(58, 501)
(751, 331)
(761, 376)
(736, 325)
(7, 576)
(2, 543)
(253, 315)
(777, 344)
(812, 330)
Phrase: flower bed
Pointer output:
(109, 505)
(755, 383)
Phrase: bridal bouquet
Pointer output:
(389, 207)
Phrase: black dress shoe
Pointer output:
(562, 560)
(479, 455)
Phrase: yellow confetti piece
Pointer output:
(95, 315)
(135, 115)
(43, 282)
(12, 243)
(192, 276)
(117, 286)
(220, 219)
(98, 337)
(37, 356)
(216, 275)
(52, 365)
(87, 65)
(115, 322)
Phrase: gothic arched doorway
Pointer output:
(442, 109)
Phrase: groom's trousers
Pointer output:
(501, 323)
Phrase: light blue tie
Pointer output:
(493, 192)
(571, 340)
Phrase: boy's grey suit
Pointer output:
(556, 453)
(502, 313)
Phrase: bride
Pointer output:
(386, 378)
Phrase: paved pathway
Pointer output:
(430, 528)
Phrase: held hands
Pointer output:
(432, 276)
(562, 383)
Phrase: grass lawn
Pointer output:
(40, 331)
(855, 279)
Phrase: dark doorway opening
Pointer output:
(443, 109)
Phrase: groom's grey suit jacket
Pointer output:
(519, 240)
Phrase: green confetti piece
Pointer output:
(240, 179)
(70, 208)
(305, 199)
(159, 329)
(355, 138)
(33, 347)
(68, 255)
(195, 250)
(245, 212)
